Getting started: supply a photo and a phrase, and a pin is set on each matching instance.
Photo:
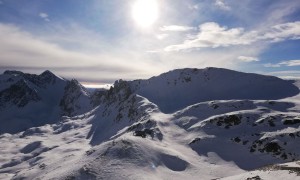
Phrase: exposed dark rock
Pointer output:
(291, 121)
(195, 140)
(73, 91)
(227, 121)
(272, 147)
(96, 97)
(19, 94)
(47, 77)
(237, 139)
(292, 135)
(143, 133)
(271, 102)
(254, 178)
(215, 106)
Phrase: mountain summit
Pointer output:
(176, 89)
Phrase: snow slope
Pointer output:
(127, 136)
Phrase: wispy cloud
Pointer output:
(284, 63)
(286, 74)
(161, 36)
(23, 51)
(212, 35)
(248, 58)
(290, 63)
(282, 32)
(222, 5)
(271, 65)
(44, 16)
(177, 28)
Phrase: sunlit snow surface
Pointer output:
(230, 139)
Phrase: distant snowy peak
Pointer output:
(18, 88)
(39, 99)
(13, 72)
(19, 94)
(179, 88)
(21, 88)
(48, 77)
(42, 80)
(76, 99)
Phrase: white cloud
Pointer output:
(161, 36)
(284, 63)
(281, 32)
(221, 57)
(248, 58)
(286, 74)
(177, 28)
(23, 51)
(44, 16)
(212, 35)
(222, 5)
(290, 63)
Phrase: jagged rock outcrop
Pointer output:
(18, 94)
(76, 99)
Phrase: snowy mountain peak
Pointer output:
(37, 98)
(74, 85)
(47, 72)
(13, 72)
(179, 88)
(48, 77)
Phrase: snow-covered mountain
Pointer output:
(28, 100)
(176, 89)
(188, 123)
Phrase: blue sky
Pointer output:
(98, 41)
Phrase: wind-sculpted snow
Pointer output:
(123, 134)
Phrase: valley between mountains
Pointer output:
(207, 123)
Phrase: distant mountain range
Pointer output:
(187, 123)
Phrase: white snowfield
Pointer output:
(184, 124)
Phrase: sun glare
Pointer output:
(145, 12)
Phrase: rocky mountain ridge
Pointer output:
(46, 95)
(142, 130)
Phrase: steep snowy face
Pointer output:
(28, 100)
(76, 99)
(177, 89)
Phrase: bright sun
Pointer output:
(145, 12)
